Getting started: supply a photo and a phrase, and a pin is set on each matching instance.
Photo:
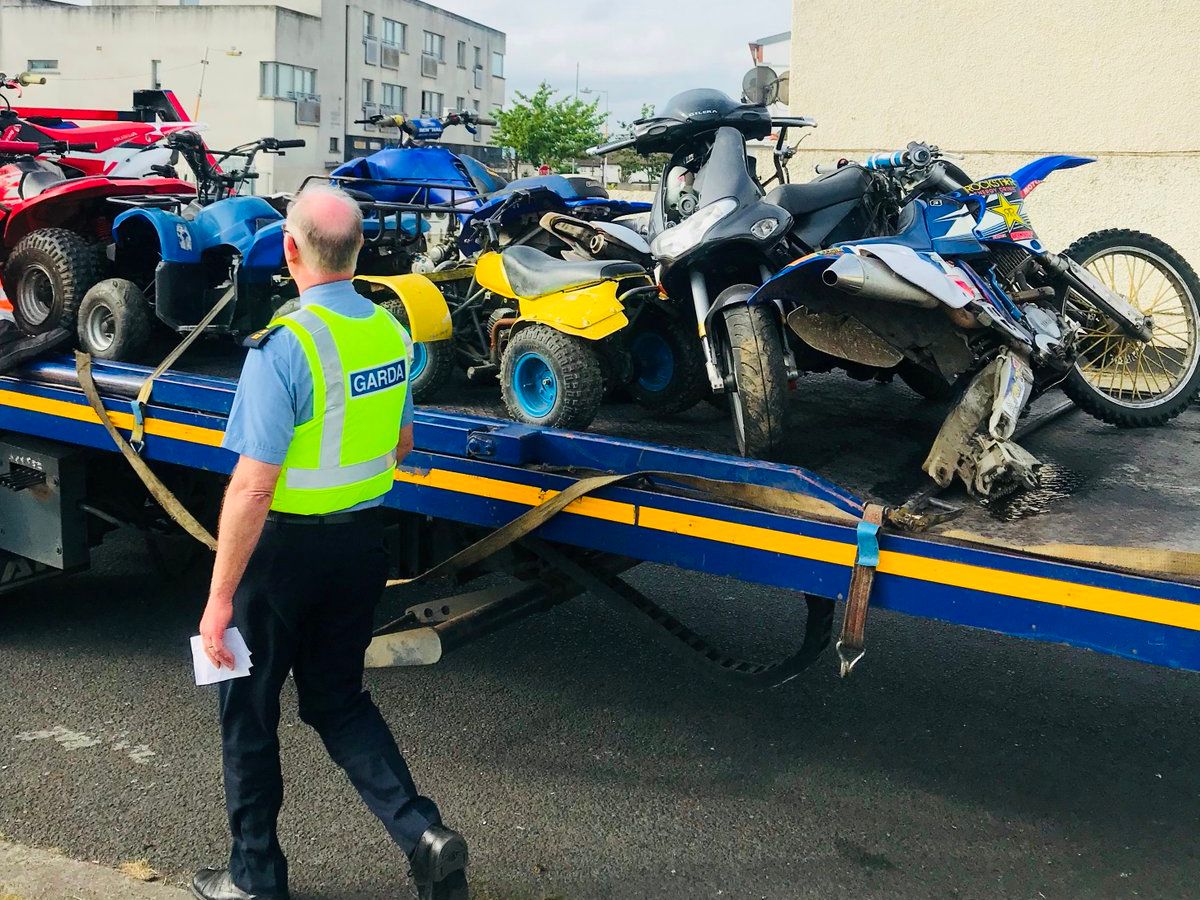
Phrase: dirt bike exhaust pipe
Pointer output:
(867, 277)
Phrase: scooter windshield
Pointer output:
(726, 172)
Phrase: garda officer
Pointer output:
(321, 415)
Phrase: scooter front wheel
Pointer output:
(752, 352)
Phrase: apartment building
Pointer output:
(287, 68)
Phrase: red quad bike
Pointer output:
(55, 223)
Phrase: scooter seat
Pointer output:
(847, 183)
(532, 273)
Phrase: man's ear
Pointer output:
(290, 249)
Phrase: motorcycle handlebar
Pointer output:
(484, 120)
(25, 79)
(20, 147)
(612, 147)
(288, 144)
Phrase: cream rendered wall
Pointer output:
(1003, 81)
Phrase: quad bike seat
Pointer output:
(847, 183)
(532, 273)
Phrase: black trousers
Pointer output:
(306, 605)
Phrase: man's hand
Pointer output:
(218, 613)
(247, 500)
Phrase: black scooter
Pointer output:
(717, 232)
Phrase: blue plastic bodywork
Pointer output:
(474, 470)
(1029, 174)
(249, 225)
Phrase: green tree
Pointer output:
(544, 131)
(632, 162)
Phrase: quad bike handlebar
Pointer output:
(466, 117)
(212, 183)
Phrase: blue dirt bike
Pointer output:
(965, 290)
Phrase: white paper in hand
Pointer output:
(207, 673)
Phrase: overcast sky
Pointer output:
(638, 50)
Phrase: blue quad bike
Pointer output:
(215, 263)
(423, 201)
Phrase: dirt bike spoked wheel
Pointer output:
(550, 378)
(668, 369)
(48, 272)
(752, 352)
(1119, 379)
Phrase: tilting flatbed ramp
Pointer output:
(754, 521)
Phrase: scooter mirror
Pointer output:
(761, 86)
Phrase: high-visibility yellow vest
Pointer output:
(346, 453)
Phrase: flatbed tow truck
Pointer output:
(63, 487)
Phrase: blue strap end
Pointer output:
(138, 412)
(868, 545)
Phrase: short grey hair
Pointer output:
(327, 225)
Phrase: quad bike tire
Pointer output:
(552, 379)
(115, 321)
(1124, 413)
(433, 361)
(668, 364)
(753, 355)
(46, 277)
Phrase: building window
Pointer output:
(462, 54)
(333, 145)
(368, 91)
(478, 137)
(368, 24)
(42, 65)
(497, 64)
(287, 82)
(393, 97)
(479, 57)
(431, 103)
(460, 103)
(435, 46)
(395, 34)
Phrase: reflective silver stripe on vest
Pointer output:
(335, 387)
(341, 476)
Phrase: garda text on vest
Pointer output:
(377, 378)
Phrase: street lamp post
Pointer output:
(228, 51)
(603, 159)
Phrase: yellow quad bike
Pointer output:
(555, 330)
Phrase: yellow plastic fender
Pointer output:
(428, 314)
(589, 312)
(489, 275)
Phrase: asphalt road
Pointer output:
(583, 761)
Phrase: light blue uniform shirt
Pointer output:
(275, 392)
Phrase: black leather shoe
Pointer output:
(439, 865)
(216, 884)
